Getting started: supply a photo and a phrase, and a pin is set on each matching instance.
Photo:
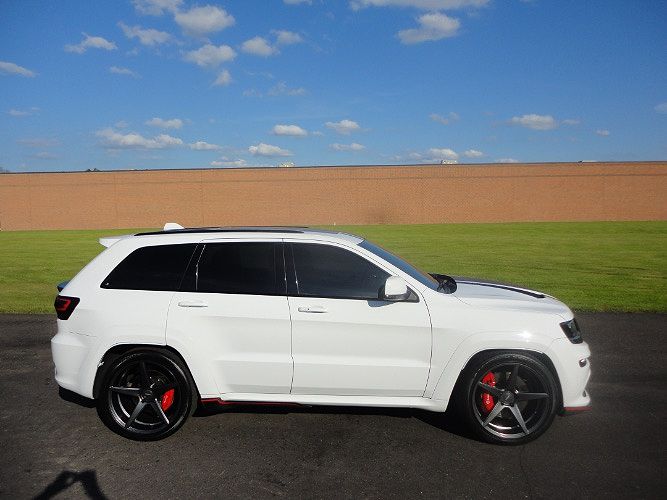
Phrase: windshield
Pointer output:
(424, 278)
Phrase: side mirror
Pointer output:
(395, 289)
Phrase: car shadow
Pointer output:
(447, 422)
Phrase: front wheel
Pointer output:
(509, 398)
(146, 395)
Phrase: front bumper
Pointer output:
(574, 370)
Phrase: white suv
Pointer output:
(161, 322)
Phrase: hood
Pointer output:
(486, 294)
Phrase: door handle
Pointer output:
(312, 309)
(192, 303)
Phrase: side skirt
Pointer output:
(326, 400)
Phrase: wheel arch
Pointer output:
(119, 350)
(451, 378)
(541, 356)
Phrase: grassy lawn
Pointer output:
(592, 266)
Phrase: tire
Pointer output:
(508, 398)
(146, 395)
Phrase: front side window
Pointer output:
(403, 265)
(158, 268)
(333, 272)
(253, 268)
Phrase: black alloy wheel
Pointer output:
(510, 398)
(146, 395)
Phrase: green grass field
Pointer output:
(592, 266)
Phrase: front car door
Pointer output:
(232, 314)
(345, 340)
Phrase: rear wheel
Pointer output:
(509, 398)
(146, 395)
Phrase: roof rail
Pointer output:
(228, 229)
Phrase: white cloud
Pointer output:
(281, 88)
(473, 153)
(507, 160)
(432, 27)
(23, 112)
(119, 70)
(445, 120)
(9, 68)
(661, 108)
(419, 4)
(149, 37)
(570, 121)
(226, 162)
(204, 146)
(156, 7)
(603, 132)
(535, 122)
(284, 37)
(258, 46)
(200, 21)
(39, 142)
(224, 78)
(115, 140)
(174, 123)
(343, 127)
(90, 42)
(291, 130)
(262, 149)
(210, 55)
(355, 146)
(317, 133)
(44, 155)
(443, 154)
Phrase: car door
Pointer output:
(345, 340)
(232, 314)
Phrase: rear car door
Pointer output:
(345, 340)
(232, 315)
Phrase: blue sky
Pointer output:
(175, 84)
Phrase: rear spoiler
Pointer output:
(107, 241)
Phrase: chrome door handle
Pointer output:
(312, 309)
(192, 303)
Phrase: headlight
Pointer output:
(571, 329)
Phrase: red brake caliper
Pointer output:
(487, 400)
(167, 399)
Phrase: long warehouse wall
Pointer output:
(414, 194)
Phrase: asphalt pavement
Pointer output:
(52, 447)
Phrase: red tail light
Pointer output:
(65, 306)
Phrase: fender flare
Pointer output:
(489, 341)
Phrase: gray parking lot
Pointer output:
(54, 447)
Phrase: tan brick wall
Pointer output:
(341, 195)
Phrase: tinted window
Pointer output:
(327, 271)
(245, 268)
(406, 267)
(151, 268)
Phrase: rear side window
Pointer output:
(251, 268)
(333, 272)
(158, 268)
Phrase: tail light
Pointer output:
(65, 306)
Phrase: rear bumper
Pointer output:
(72, 357)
